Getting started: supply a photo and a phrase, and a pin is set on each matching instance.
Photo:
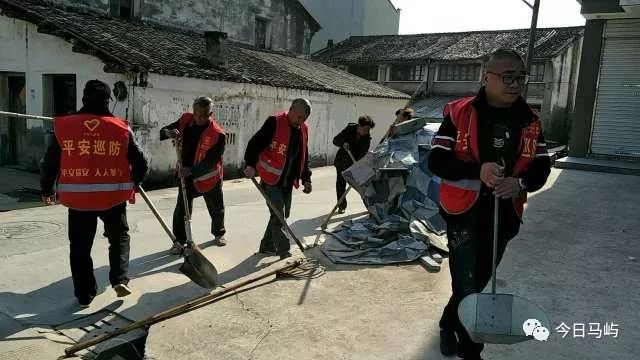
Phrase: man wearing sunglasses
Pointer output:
(489, 144)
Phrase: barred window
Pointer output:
(407, 72)
(459, 72)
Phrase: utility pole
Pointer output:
(532, 39)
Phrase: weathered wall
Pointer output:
(559, 93)
(24, 50)
(241, 109)
(236, 17)
(101, 6)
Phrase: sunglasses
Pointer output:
(509, 78)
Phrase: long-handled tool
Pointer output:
(278, 214)
(326, 221)
(196, 266)
(501, 318)
(192, 304)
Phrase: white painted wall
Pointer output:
(242, 109)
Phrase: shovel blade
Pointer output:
(499, 318)
(199, 269)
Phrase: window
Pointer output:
(261, 33)
(407, 72)
(459, 72)
(537, 73)
(369, 72)
(125, 9)
(58, 94)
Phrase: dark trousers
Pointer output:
(341, 187)
(273, 239)
(82, 230)
(470, 241)
(215, 205)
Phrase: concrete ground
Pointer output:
(18, 189)
(576, 256)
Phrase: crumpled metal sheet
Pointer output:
(402, 198)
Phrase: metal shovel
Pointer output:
(196, 266)
(499, 318)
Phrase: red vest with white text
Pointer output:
(208, 139)
(271, 160)
(94, 170)
(457, 197)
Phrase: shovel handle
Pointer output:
(326, 221)
(351, 156)
(183, 191)
(156, 213)
(333, 211)
(278, 213)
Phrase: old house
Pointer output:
(437, 68)
(607, 121)
(48, 52)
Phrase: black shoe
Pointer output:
(448, 343)
(85, 302)
(341, 211)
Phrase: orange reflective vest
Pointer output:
(94, 170)
(457, 197)
(271, 160)
(208, 139)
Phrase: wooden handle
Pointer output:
(193, 304)
(278, 214)
(326, 221)
(156, 213)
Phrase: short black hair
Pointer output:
(366, 120)
(96, 91)
(406, 112)
(504, 54)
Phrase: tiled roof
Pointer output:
(138, 46)
(445, 46)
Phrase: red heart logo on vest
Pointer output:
(92, 124)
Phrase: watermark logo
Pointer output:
(533, 327)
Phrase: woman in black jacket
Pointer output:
(354, 138)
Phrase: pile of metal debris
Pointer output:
(401, 196)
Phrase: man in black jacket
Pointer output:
(294, 168)
(214, 200)
(493, 160)
(82, 224)
(354, 138)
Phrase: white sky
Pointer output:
(424, 16)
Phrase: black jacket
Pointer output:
(262, 139)
(50, 167)
(358, 146)
(191, 138)
(443, 162)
